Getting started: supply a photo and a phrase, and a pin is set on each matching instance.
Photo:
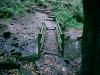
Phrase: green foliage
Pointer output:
(5, 12)
(12, 8)
(69, 15)
(78, 16)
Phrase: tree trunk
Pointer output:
(91, 38)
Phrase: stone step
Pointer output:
(51, 28)
(38, 63)
(49, 19)
(51, 52)
(55, 70)
(61, 61)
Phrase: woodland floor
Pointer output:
(27, 28)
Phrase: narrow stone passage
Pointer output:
(51, 62)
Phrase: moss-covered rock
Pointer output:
(3, 26)
(31, 58)
(15, 37)
(22, 44)
(15, 43)
(12, 50)
(24, 72)
(2, 53)
(6, 34)
(14, 53)
(7, 63)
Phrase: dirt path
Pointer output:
(26, 29)
(51, 61)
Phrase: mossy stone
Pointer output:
(6, 34)
(15, 37)
(16, 53)
(15, 43)
(7, 63)
(22, 44)
(31, 58)
(2, 53)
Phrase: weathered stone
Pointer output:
(50, 56)
(51, 52)
(39, 63)
(4, 40)
(12, 23)
(55, 70)
(51, 16)
(61, 61)
(12, 50)
(15, 43)
(50, 19)
(22, 24)
(22, 44)
(16, 53)
(51, 28)
(25, 27)
(21, 48)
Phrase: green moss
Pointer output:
(22, 72)
(2, 53)
(7, 63)
(31, 58)
(6, 33)
(15, 43)
(16, 53)
(15, 37)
